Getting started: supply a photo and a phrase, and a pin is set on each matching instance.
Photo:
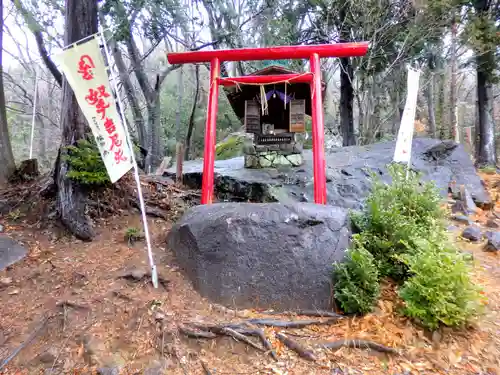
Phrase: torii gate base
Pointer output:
(313, 53)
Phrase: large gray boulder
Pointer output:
(11, 252)
(262, 255)
(348, 174)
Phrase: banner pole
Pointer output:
(35, 95)
(154, 274)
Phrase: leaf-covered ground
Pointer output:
(99, 314)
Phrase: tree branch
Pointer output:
(36, 30)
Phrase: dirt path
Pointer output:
(99, 319)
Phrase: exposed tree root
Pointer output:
(241, 337)
(361, 344)
(239, 331)
(311, 313)
(261, 335)
(296, 347)
(30, 338)
(205, 368)
(290, 323)
(197, 334)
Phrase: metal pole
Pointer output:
(318, 133)
(179, 150)
(154, 274)
(207, 188)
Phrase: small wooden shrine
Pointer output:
(275, 114)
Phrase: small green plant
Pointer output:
(356, 280)
(439, 290)
(395, 214)
(85, 163)
(14, 214)
(401, 235)
(488, 170)
(133, 234)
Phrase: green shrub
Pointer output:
(439, 290)
(356, 280)
(402, 236)
(85, 163)
(396, 213)
(230, 147)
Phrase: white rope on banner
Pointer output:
(35, 96)
(154, 273)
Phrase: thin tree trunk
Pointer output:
(453, 82)
(440, 111)
(485, 68)
(485, 152)
(396, 115)
(80, 21)
(155, 154)
(192, 117)
(346, 103)
(130, 94)
(7, 164)
(430, 105)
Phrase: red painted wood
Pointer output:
(270, 53)
(289, 78)
(207, 185)
(318, 131)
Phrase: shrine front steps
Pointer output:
(273, 159)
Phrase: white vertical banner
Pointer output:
(85, 70)
(402, 153)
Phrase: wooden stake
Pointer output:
(179, 154)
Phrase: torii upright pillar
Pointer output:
(312, 52)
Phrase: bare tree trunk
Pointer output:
(453, 82)
(440, 109)
(485, 152)
(80, 21)
(7, 164)
(485, 68)
(132, 99)
(430, 105)
(155, 153)
(192, 117)
(346, 102)
(396, 115)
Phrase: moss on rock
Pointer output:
(231, 147)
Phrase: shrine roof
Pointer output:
(238, 94)
(271, 70)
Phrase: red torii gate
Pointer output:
(311, 52)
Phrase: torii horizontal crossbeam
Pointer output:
(312, 52)
(271, 53)
(262, 80)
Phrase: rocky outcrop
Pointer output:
(262, 255)
(11, 252)
(348, 174)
